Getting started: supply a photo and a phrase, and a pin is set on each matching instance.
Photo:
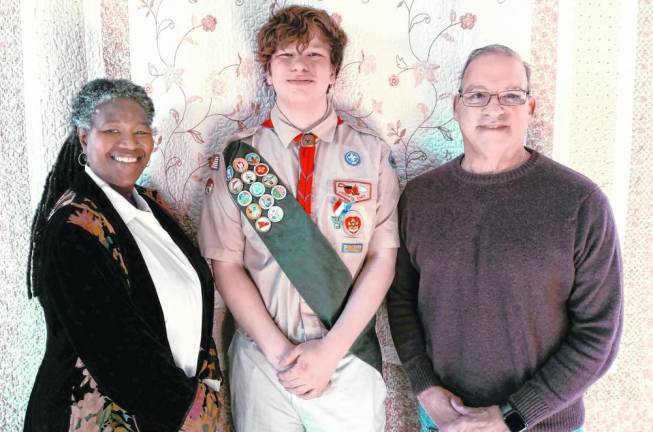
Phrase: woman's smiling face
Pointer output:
(119, 144)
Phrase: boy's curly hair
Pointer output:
(299, 24)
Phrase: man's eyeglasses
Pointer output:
(506, 97)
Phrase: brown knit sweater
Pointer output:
(508, 287)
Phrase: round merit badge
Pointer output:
(240, 165)
(352, 158)
(230, 173)
(235, 185)
(253, 211)
(253, 158)
(248, 177)
(278, 192)
(263, 224)
(266, 201)
(257, 189)
(270, 180)
(244, 198)
(275, 214)
(261, 169)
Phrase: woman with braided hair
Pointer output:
(127, 298)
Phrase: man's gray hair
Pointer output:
(102, 90)
(495, 49)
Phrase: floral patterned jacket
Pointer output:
(107, 364)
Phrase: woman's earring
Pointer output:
(81, 159)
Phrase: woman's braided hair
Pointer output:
(67, 167)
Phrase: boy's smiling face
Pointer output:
(301, 77)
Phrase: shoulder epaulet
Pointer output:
(242, 134)
(361, 128)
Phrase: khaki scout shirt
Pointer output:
(350, 164)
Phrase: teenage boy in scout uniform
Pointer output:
(301, 228)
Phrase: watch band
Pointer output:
(512, 418)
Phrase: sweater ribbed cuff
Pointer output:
(420, 374)
(529, 404)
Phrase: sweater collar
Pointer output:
(502, 177)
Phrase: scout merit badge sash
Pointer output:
(302, 251)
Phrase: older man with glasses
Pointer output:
(507, 301)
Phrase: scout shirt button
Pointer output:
(278, 192)
(240, 165)
(270, 180)
(257, 189)
(275, 214)
(235, 185)
(253, 211)
(261, 169)
(263, 224)
(253, 158)
(248, 177)
(244, 198)
(266, 201)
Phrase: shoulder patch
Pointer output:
(362, 129)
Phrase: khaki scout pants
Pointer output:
(354, 402)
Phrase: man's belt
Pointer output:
(303, 253)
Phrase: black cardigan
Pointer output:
(107, 357)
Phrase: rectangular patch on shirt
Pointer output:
(353, 190)
(351, 247)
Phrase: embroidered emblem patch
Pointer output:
(263, 224)
(352, 158)
(214, 162)
(351, 247)
(278, 192)
(244, 198)
(266, 201)
(248, 177)
(253, 158)
(352, 190)
(353, 223)
(235, 185)
(253, 211)
(257, 189)
(275, 214)
(270, 180)
(240, 165)
(261, 169)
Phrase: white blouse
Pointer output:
(177, 284)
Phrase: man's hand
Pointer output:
(310, 368)
(438, 404)
(484, 419)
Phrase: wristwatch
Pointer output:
(512, 418)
